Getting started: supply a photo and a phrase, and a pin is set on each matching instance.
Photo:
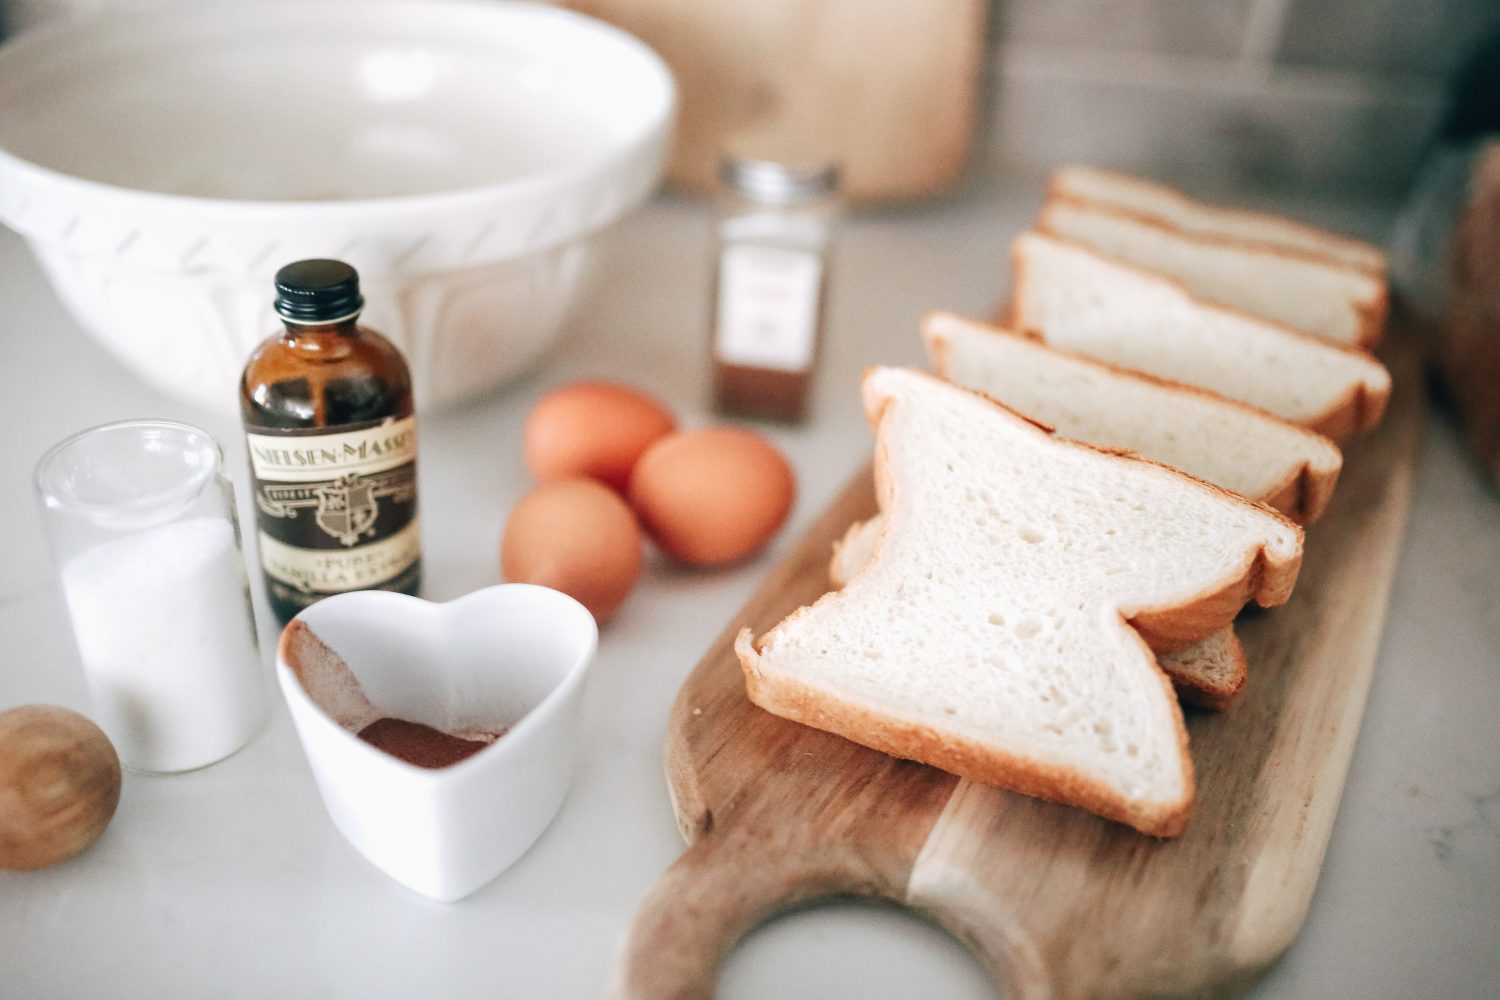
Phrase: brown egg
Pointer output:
(593, 429)
(575, 536)
(713, 496)
(59, 785)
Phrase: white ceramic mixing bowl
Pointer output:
(462, 154)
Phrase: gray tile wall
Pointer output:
(1411, 36)
(1333, 93)
(1194, 27)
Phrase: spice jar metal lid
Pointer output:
(779, 183)
(317, 291)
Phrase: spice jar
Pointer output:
(773, 234)
(140, 518)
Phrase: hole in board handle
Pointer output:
(849, 946)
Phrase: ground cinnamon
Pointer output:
(421, 745)
(773, 235)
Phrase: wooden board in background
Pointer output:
(889, 90)
(1059, 904)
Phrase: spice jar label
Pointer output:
(768, 307)
(337, 510)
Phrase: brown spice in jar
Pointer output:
(421, 745)
(743, 391)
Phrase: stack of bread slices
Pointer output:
(1075, 506)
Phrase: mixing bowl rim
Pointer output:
(599, 162)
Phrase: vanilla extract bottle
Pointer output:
(332, 440)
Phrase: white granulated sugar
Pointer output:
(163, 624)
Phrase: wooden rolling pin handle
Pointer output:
(726, 883)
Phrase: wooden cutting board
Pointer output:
(1057, 903)
(890, 91)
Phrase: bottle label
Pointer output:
(337, 508)
(768, 307)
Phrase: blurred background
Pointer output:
(1326, 92)
(1387, 105)
(1267, 92)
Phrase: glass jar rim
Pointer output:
(54, 486)
(775, 183)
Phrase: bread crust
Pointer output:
(1358, 410)
(1302, 496)
(1305, 494)
(793, 699)
(1369, 312)
(1214, 697)
(1372, 317)
(1173, 629)
(1372, 258)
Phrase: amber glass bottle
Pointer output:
(327, 408)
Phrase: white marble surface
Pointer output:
(231, 882)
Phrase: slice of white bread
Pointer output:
(1326, 299)
(1244, 450)
(1165, 205)
(990, 633)
(1085, 301)
(1209, 674)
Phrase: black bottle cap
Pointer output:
(317, 291)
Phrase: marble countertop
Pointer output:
(231, 882)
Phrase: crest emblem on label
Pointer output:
(337, 509)
(347, 508)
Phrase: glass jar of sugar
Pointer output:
(141, 522)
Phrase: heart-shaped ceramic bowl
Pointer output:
(510, 658)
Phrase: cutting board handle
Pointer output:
(731, 880)
(726, 883)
